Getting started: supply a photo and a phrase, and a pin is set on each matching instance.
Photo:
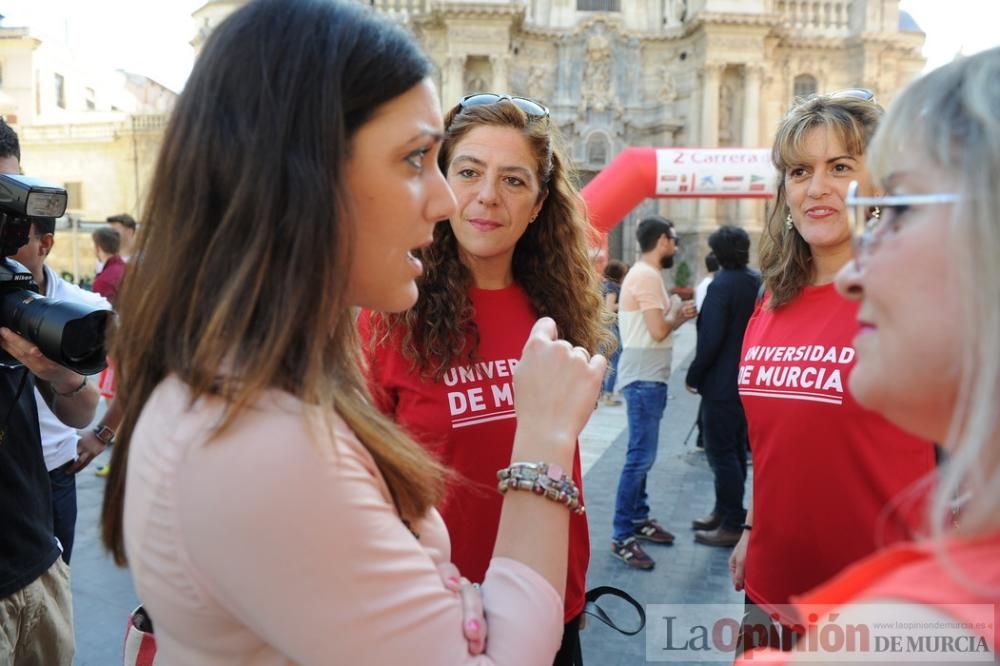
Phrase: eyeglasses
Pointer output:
(871, 216)
(530, 107)
(857, 93)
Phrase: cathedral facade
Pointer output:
(695, 73)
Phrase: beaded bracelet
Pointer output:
(546, 479)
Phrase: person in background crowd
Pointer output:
(646, 317)
(514, 249)
(126, 227)
(106, 247)
(611, 286)
(712, 375)
(332, 551)
(832, 480)
(928, 362)
(712, 267)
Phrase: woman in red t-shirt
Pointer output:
(928, 361)
(832, 480)
(515, 249)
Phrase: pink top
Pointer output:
(268, 546)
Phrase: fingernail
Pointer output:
(454, 580)
(473, 626)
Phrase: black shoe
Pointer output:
(709, 522)
(720, 537)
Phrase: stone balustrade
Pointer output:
(401, 10)
(107, 130)
(830, 17)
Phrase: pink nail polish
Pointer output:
(454, 580)
(473, 626)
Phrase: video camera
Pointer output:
(70, 334)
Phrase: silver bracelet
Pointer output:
(545, 479)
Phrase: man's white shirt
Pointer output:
(58, 439)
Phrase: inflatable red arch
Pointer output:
(637, 174)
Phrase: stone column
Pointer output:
(711, 74)
(454, 71)
(750, 209)
(498, 63)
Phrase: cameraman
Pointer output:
(59, 441)
(36, 613)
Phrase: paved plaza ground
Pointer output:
(680, 489)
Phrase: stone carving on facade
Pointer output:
(597, 92)
(479, 35)
(676, 12)
(666, 90)
(538, 86)
(726, 101)
(474, 82)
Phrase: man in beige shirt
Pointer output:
(646, 317)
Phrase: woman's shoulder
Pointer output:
(275, 419)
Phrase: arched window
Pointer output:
(597, 150)
(805, 84)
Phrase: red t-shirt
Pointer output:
(958, 577)
(829, 476)
(109, 279)
(468, 421)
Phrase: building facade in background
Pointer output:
(94, 132)
(618, 73)
(615, 73)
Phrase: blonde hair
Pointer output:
(785, 258)
(952, 116)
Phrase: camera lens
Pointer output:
(71, 334)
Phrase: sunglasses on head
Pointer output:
(530, 107)
(863, 94)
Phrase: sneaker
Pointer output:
(652, 531)
(103, 471)
(631, 553)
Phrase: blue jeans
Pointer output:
(645, 402)
(64, 508)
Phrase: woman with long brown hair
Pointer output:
(269, 513)
(513, 250)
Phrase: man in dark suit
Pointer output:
(713, 373)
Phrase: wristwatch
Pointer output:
(104, 434)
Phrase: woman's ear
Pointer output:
(537, 208)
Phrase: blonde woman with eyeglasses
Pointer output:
(832, 481)
(926, 285)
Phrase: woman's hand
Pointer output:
(738, 561)
(473, 618)
(556, 386)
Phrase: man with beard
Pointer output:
(646, 318)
